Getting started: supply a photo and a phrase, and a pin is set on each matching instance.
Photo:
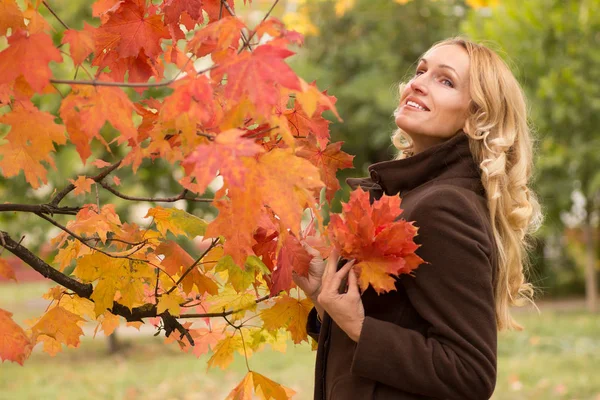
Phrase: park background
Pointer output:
(359, 51)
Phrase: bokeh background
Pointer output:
(359, 50)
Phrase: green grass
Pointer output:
(556, 357)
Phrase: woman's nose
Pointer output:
(418, 84)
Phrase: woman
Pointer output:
(463, 179)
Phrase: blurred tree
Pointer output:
(556, 45)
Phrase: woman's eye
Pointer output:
(419, 73)
(447, 82)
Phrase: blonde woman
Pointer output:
(463, 172)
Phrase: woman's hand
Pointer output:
(311, 284)
(346, 309)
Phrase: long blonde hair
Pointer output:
(502, 145)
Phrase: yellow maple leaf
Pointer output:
(177, 221)
(170, 302)
(60, 325)
(374, 273)
(83, 185)
(265, 388)
(223, 354)
(108, 322)
(289, 313)
(229, 300)
(78, 306)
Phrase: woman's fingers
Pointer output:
(331, 264)
(340, 276)
(353, 283)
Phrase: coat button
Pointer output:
(375, 176)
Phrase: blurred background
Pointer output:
(359, 50)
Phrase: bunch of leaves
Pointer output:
(382, 244)
(246, 118)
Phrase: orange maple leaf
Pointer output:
(265, 388)
(258, 74)
(174, 9)
(14, 343)
(215, 10)
(6, 270)
(12, 17)
(220, 39)
(83, 185)
(81, 42)
(86, 109)
(290, 313)
(60, 325)
(29, 56)
(382, 245)
(225, 155)
(29, 142)
(128, 31)
(329, 161)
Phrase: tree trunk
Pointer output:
(113, 343)
(591, 275)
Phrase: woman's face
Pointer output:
(434, 104)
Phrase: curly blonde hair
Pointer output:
(502, 145)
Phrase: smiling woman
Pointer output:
(463, 172)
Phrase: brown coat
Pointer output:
(435, 336)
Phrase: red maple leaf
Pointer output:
(382, 245)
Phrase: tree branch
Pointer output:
(81, 289)
(254, 31)
(40, 208)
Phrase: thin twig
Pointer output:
(125, 84)
(84, 241)
(180, 196)
(63, 193)
(245, 353)
(221, 314)
(232, 13)
(55, 15)
(263, 20)
(191, 267)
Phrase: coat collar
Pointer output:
(449, 159)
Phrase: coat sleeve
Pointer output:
(454, 293)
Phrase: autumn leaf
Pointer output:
(83, 185)
(90, 221)
(229, 300)
(81, 43)
(382, 245)
(129, 30)
(29, 56)
(60, 325)
(290, 313)
(29, 142)
(220, 39)
(265, 388)
(215, 10)
(15, 345)
(223, 353)
(329, 161)
(170, 302)
(85, 111)
(177, 221)
(257, 75)
(12, 17)
(223, 155)
(6, 271)
(292, 257)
